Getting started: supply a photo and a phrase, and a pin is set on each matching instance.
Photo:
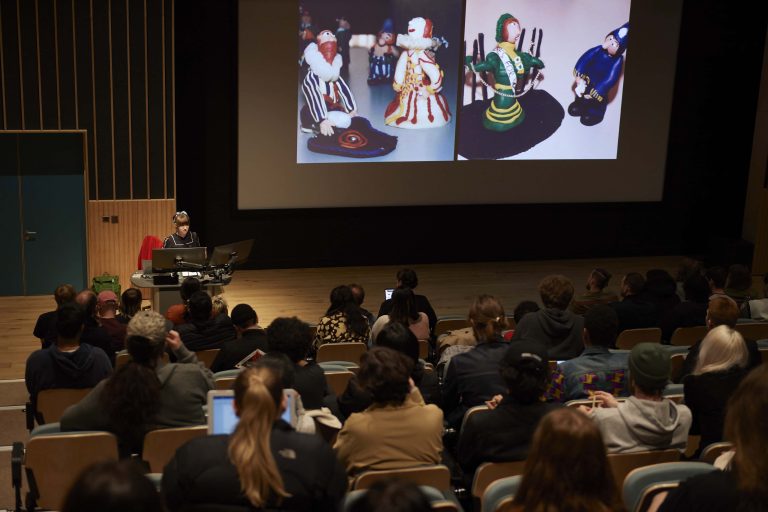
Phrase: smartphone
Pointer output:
(388, 293)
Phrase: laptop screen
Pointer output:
(221, 412)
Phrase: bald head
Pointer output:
(87, 299)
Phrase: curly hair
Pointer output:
(384, 373)
(290, 336)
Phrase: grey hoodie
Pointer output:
(559, 331)
(639, 425)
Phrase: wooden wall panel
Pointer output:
(113, 247)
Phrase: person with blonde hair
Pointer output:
(567, 468)
(263, 464)
(720, 367)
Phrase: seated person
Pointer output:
(504, 433)
(557, 329)
(404, 311)
(646, 420)
(392, 495)
(250, 337)
(293, 338)
(716, 277)
(45, 327)
(597, 368)
(407, 278)
(182, 236)
(757, 309)
(358, 292)
(67, 363)
(204, 331)
(93, 333)
(130, 304)
(596, 283)
(634, 310)
(106, 309)
(522, 309)
(687, 268)
(692, 311)
(472, 377)
(178, 312)
(661, 290)
(396, 336)
(264, 464)
(344, 321)
(145, 394)
(738, 286)
(398, 430)
(114, 486)
(720, 367)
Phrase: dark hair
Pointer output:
(290, 336)
(527, 379)
(358, 293)
(407, 278)
(660, 283)
(556, 291)
(718, 276)
(487, 317)
(602, 324)
(404, 308)
(739, 277)
(392, 495)
(384, 373)
(64, 293)
(243, 315)
(189, 286)
(131, 302)
(398, 337)
(567, 468)
(117, 486)
(342, 301)
(69, 320)
(522, 309)
(280, 365)
(635, 282)
(601, 276)
(696, 289)
(200, 307)
(688, 267)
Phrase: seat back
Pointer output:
(753, 330)
(631, 337)
(623, 463)
(588, 401)
(437, 476)
(51, 403)
(53, 462)
(677, 361)
(123, 357)
(687, 336)
(470, 412)
(224, 383)
(207, 356)
(161, 445)
(350, 352)
(711, 452)
(764, 355)
(641, 482)
(499, 493)
(444, 325)
(437, 499)
(489, 472)
(338, 380)
(423, 349)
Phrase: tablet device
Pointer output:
(221, 410)
(250, 359)
(388, 293)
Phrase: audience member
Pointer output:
(45, 327)
(106, 310)
(250, 337)
(556, 328)
(757, 309)
(688, 268)
(398, 431)
(646, 420)
(472, 377)
(692, 311)
(738, 286)
(745, 488)
(344, 321)
(567, 469)
(178, 312)
(634, 311)
(661, 290)
(145, 394)
(293, 338)
(203, 330)
(407, 278)
(391, 495)
(404, 311)
(522, 309)
(219, 306)
(114, 486)
(264, 464)
(93, 333)
(504, 433)
(66, 363)
(398, 337)
(130, 304)
(358, 293)
(596, 283)
(716, 277)
(722, 310)
(719, 369)
(597, 368)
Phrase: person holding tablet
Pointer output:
(182, 237)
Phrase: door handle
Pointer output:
(30, 235)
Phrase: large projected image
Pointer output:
(381, 86)
(544, 79)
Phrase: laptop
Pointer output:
(221, 411)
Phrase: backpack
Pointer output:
(106, 282)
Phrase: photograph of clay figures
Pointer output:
(543, 79)
(377, 81)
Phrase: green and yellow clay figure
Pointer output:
(507, 65)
